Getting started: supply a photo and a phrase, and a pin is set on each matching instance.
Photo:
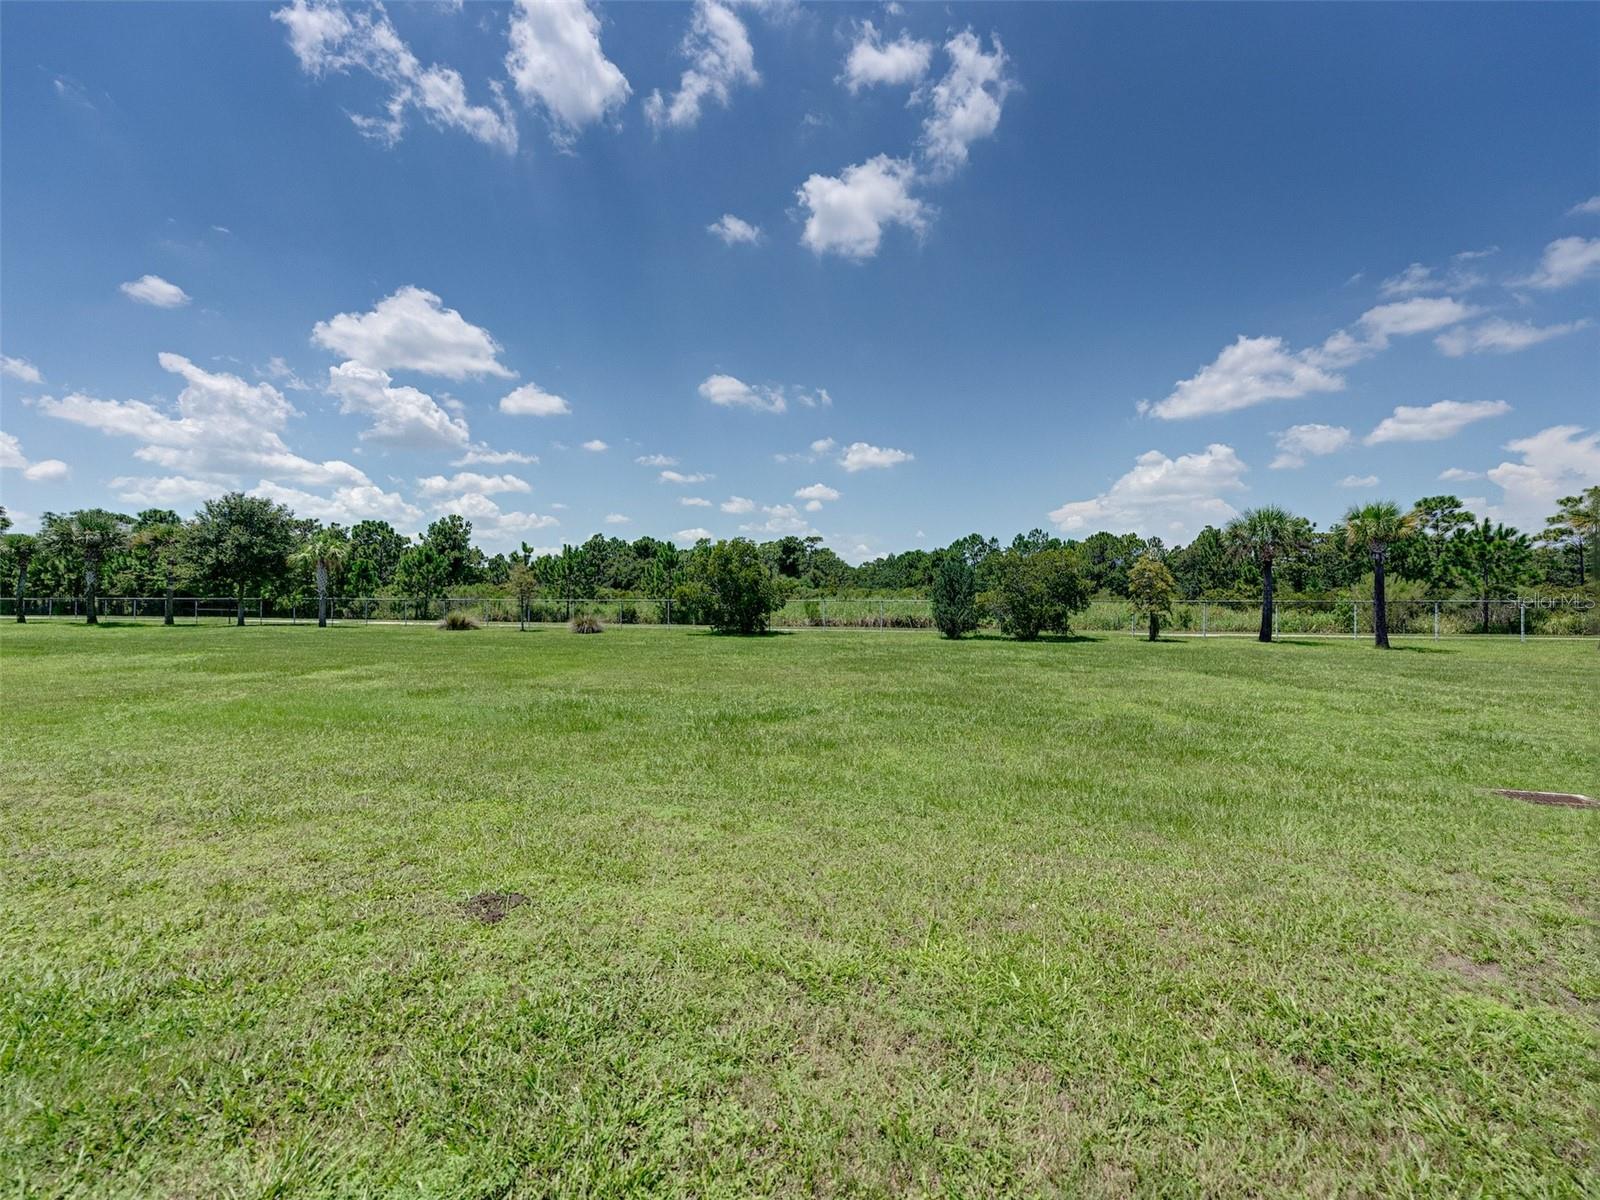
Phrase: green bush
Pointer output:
(1035, 591)
(742, 589)
(955, 597)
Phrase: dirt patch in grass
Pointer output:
(1557, 799)
(492, 907)
(1476, 972)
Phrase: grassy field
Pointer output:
(811, 914)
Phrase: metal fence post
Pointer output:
(1436, 620)
(882, 624)
(1522, 621)
(823, 611)
(1202, 618)
(1275, 611)
(1355, 618)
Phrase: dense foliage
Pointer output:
(243, 546)
(955, 596)
(742, 589)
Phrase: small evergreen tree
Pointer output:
(955, 596)
(524, 585)
(1153, 591)
(422, 574)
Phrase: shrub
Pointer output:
(1036, 590)
(628, 613)
(955, 599)
(587, 623)
(743, 590)
(1153, 591)
(458, 618)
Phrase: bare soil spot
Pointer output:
(492, 907)
(1476, 972)
(1558, 799)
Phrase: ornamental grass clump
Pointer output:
(459, 619)
(587, 623)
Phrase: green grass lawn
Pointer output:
(811, 914)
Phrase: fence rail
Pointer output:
(1522, 617)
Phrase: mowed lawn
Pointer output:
(823, 913)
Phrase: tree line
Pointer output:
(238, 546)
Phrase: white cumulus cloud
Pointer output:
(681, 478)
(720, 58)
(346, 505)
(966, 102)
(1433, 422)
(43, 471)
(401, 416)
(862, 456)
(733, 231)
(873, 61)
(411, 330)
(471, 481)
(848, 213)
(1499, 336)
(329, 38)
(816, 492)
(222, 427)
(1255, 370)
(1299, 442)
(20, 368)
(1555, 462)
(727, 392)
(155, 291)
(483, 456)
(1565, 261)
(1359, 481)
(530, 400)
(1169, 497)
(737, 505)
(557, 65)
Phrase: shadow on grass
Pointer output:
(702, 631)
(1043, 638)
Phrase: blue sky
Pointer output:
(886, 274)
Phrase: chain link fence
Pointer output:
(1349, 618)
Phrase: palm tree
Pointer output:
(21, 546)
(326, 550)
(1265, 536)
(1494, 557)
(90, 534)
(1376, 527)
(164, 540)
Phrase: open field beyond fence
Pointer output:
(793, 915)
(1349, 617)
